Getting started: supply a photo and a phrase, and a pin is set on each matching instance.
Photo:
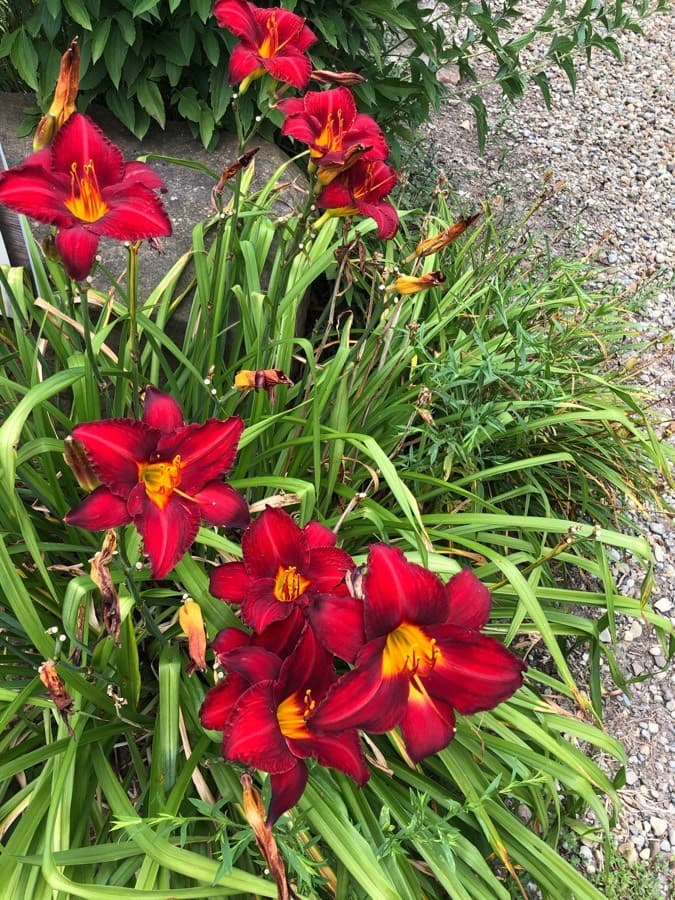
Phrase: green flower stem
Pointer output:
(132, 293)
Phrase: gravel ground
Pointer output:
(613, 143)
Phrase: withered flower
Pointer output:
(230, 171)
(261, 379)
(63, 104)
(411, 284)
(255, 816)
(192, 622)
(100, 575)
(342, 79)
(444, 238)
(57, 692)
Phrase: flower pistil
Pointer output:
(408, 649)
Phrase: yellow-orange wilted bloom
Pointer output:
(411, 284)
(192, 622)
(65, 95)
(261, 379)
(57, 691)
(78, 461)
(445, 237)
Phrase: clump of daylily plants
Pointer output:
(329, 648)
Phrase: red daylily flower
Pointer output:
(361, 191)
(272, 40)
(270, 725)
(330, 124)
(82, 185)
(162, 475)
(288, 572)
(424, 657)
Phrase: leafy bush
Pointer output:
(157, 58)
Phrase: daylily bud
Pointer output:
(261, 379)
(192, 623)
(447, 236)
(63, 104)
(57, 691)
(100, 575)
(77, 460)
(411, 284)
(343, 79)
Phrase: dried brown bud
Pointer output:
(255, 816)
(100, 575)
(446, 237)
(57, 691)
(343, 79)
(65, 95)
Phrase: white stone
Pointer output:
(659, 826)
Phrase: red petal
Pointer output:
(338, 751)
(260, 608)
(220, 504)
(134, 213)
(237, 17)
(229, 639)
(469, 600)
(472, 672)
(338, 623)
(318, 535)
(254, 664)
(242, 63)
(167, 533)
(229, 582)
(253, 735)
(335, 195)
(114, 448)
(100, 510)
(271, 541)
(282, 637)
(207, 451)
(363, 698)
(32, 190)
(310, 666)
(77, 248)
(398, 591)
(427, 726)
(142, 173)
(291, 28)
(384, 214)
(291, 68)
(220, 700)
(327, 569)
(80, 141)
(161, 411)
(287, 788)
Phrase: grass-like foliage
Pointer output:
(533, 433)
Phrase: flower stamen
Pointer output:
(85, 201)
(289, 584)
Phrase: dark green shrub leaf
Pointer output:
(99, 38)
(77, 10)
(151, 100)
(25, 58)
